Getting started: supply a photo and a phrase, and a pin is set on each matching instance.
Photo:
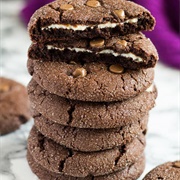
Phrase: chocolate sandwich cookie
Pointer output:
(58, 159)
(131, 51)
(96, 81)
(169, 171)
(89, 140)
(64, 19)
(14, 105)
(129, 173)
(89, 114)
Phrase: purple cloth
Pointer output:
(165, 36)
(30, 7)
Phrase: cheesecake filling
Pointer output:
(79, 27)
(105, 51)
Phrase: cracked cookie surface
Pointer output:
(58, 159)
(90, 114)
(99, 83)
(89, 140)
(14, 105)
(130, 173)
(109, 18)
(132, 51)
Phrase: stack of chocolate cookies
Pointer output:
(91, 89)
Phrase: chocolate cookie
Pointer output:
(67, 19)
(58, 159)
(132, 51)
(169, 171)
(14, 105)
(89, 140)
(96, 81)
(129, 173)
(89, 114)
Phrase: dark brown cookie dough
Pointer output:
(14, 105)
(133, 51)
(89, 114)
(64, 19)
(169, 171)
(59, 159)
(89, 140)
(129, 173)
(94, 81)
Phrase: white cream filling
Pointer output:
(71, 49)
(49, 47)
(105, 51)
(80, 50)
(134, 20)
(66, 26)
(150, 89)
(109, 51)
(133, 56)
(107, 25)
(84, 27)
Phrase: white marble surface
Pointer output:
(163, 139)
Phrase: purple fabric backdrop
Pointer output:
(166, 35)
(30, 7)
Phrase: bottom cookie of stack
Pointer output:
(58, 159)
(129, 173)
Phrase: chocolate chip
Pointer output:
(120, 13)
(176, 164)
(122, 42)
(66, 7)
(80, 72)
(99, 42)
(4, 88)
(93, 3)
(116, 69)
(72, 63)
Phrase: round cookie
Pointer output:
(97, 84)
(58, 159)
(89, 114)
(14, 105)
(64, 19)
(89, 140)
(169, 171)
(129, 173)
(90, 81)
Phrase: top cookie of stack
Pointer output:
(88, 19)
(93, 31)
